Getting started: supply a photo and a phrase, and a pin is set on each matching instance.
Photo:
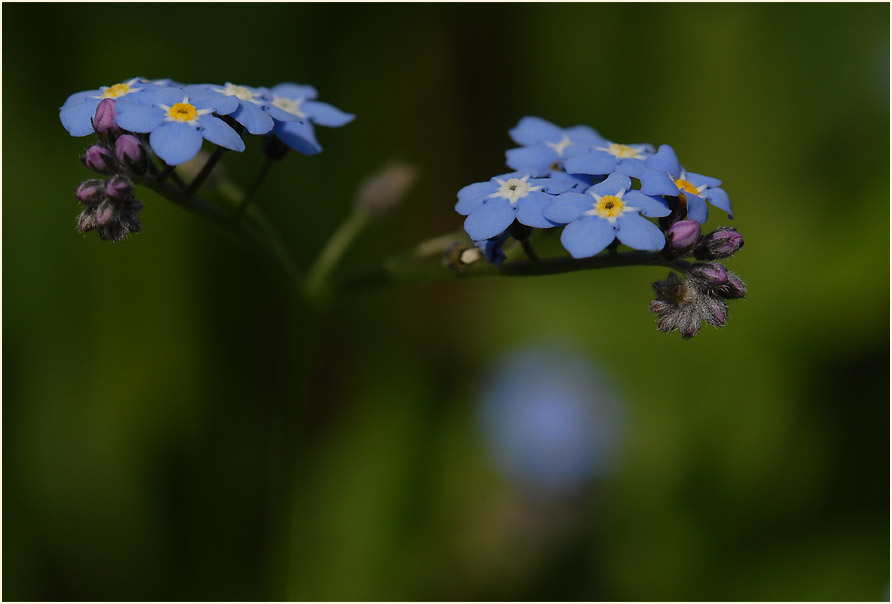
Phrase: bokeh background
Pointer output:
(175, 427)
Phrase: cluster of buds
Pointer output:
(699, 296)
(111, 209)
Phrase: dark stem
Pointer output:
(258, 180)
(200, 178)
(166, 171)
(529, 251)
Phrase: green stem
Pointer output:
(316, 283)
(205, 170)
(246, 199)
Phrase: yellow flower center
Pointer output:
(621, 150)
(685, 186)
(609, 206)
(113, 92)
(183, 112)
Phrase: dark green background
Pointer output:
(145, 383)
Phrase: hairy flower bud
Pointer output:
(86, 221)
(713, 311)
(733, 289)
(119, 187)
(104, 120)
(682, 236)
(709, 274)
(98, 159)
(720, 243)
(130, 152)
(90, 192)
(105, 212)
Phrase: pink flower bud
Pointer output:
(104, 121)
(683, 235)
(119, 187)
(130, 152)
(90, 192)
(98, 159)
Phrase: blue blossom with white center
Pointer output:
(608, 157)
(549, 420)
(255, 109)
(177, 123)
(491, 207)
(546, 145)
(606, 211)
(78, 110)
(665, 176)
(299, 101)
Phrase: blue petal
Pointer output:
(654, 182)
(325, 114)
(611, 185)
(719, 198)
(532, 130)
(529, 210)
(639, 233)
(631, 167)
(162, 96)
(218, 132)
(594, 162)
(568, 207)
(80, 97)
(76, 118)
(294, 91)
(537, 157)
(587, 236)
(647, 205)
(698, 180)
(299, 136)
(665, 160)
(253, 118)
(280, 114)
(471, 196)
(489, 219)
(697, 209)
(138, 118)
(583, 135)
(175, 142)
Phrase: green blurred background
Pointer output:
(153, 390)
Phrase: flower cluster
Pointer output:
(172, 120)
(603, 193)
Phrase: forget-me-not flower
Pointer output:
(255, 109)
(177, 123)
(78, 110)
(607, 210)
(608, 157)
(299, 101)
(546, 145)
(492, 206)
(665, 176)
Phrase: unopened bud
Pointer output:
(733, 289)
(90, 192)
(104, 121)
(385, 189)
(714, 311)
(119, 187)
(86, 221)
(720, 243)
(131, 153)
(98, 159)
(709, 274)
(682, 236)
(105, 213)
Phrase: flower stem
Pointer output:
(317, 277)
(258, 180)
(529, 251)
(205, 170)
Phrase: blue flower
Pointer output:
(547, 145)
(298, 101)
(609, 157)
(78, 110)
(255, 109)
(492, 248)
(178, 122)
(549, 420)
(609, 209)
(665, 176)
(492, 206)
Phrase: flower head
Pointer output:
(607, 210)
(79, 109)
(299, 102)
(665, 176)
(609, 157)
(255, 109)
(177, 123)
(491, 207)
(546, 146)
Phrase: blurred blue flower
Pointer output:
(78, 109)
(550, 422)
(492, 206)
(255, 109)
(546, 145)
(609, 157)
(178, 122)
(665, 176)
(607, 210)
(298, 101)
